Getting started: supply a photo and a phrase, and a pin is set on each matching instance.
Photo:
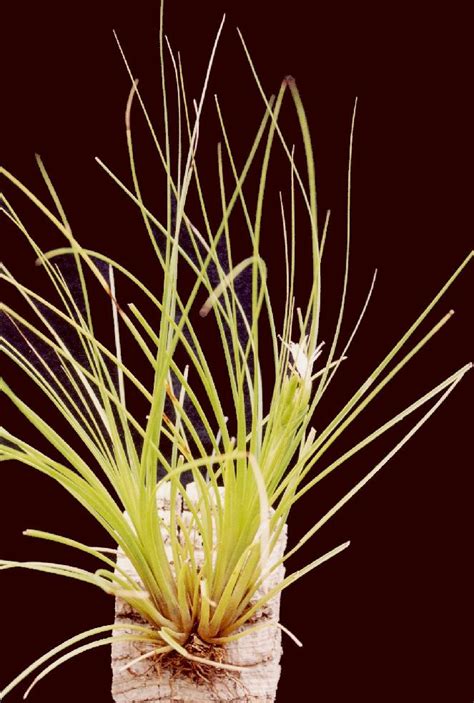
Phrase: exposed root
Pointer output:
(198, 672)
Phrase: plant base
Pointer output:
(171, 678)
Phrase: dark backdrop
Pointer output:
(388, 620)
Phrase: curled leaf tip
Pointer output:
(289, 80)
(129, 104)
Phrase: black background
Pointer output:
(391, 618)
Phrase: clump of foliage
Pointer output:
(272, 458)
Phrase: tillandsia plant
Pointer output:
(249, 448)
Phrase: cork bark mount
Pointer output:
(173, 679)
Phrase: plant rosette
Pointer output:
(139, 675)
(197, 572)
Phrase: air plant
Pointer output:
(250, 449)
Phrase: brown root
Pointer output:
(198, 672)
